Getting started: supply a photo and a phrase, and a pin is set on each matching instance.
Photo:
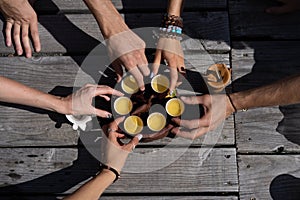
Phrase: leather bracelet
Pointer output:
(112, 170)
(235, 110)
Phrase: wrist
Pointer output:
(112, 171)
(108, 18)
(63, 105)
(230, 107)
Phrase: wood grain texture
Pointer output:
(269, 176)
(218, 173)
(79, 33)
(259, 63)
(268, 130)
(25, 164)
(248, 19)
(78, 6)
(23, 125)
(152, 197)
(161, 197)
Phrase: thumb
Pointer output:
(131, 145)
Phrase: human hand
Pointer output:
(170, 50)
(80, 102)
(116, 152)
(128, 50)
(216, 109)
(287, 7)
(21, 19)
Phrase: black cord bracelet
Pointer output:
(112, 170)
(235, 110)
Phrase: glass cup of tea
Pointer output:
(123, 105)
(133, 125)
(175, 107)
(160, 83)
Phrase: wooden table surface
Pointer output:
(255, 156)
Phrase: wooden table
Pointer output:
(256, 156)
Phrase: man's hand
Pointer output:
(128, 50)
(216, 107)
(287, 7)
(21, 22)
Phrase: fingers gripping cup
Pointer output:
(129, 85)
(156, 121)
(123, 105)
(160, 83)
(133, 125)
(175, 107)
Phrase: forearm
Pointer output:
(283, 92)
(93, 189)
(14, 92)
(108, 18)
(175, 7)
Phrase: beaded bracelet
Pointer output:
(171, 27)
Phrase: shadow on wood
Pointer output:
(56, 182)
(285, 186)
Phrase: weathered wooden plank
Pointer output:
(189, 173)
(161, 197)
(248, 19)
(212, 28)
(269, 176)
(66, 6)
(20, 165)
(158, 197)
(216, 174)
(268, 130)
(21, 125)
(260, 63)
(79, 34)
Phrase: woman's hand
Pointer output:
(21, 23)
(80, 102)
(116, 151)
(170, 50)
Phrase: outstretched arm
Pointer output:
(219, 107)
(169, 48)
(125, 48)
(78, 103)
(115, 156)
(283, 92)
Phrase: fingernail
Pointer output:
(139, 136)
(19, 52)
(183, 98)
(133, 147)
(109, 116)
(151, 75)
